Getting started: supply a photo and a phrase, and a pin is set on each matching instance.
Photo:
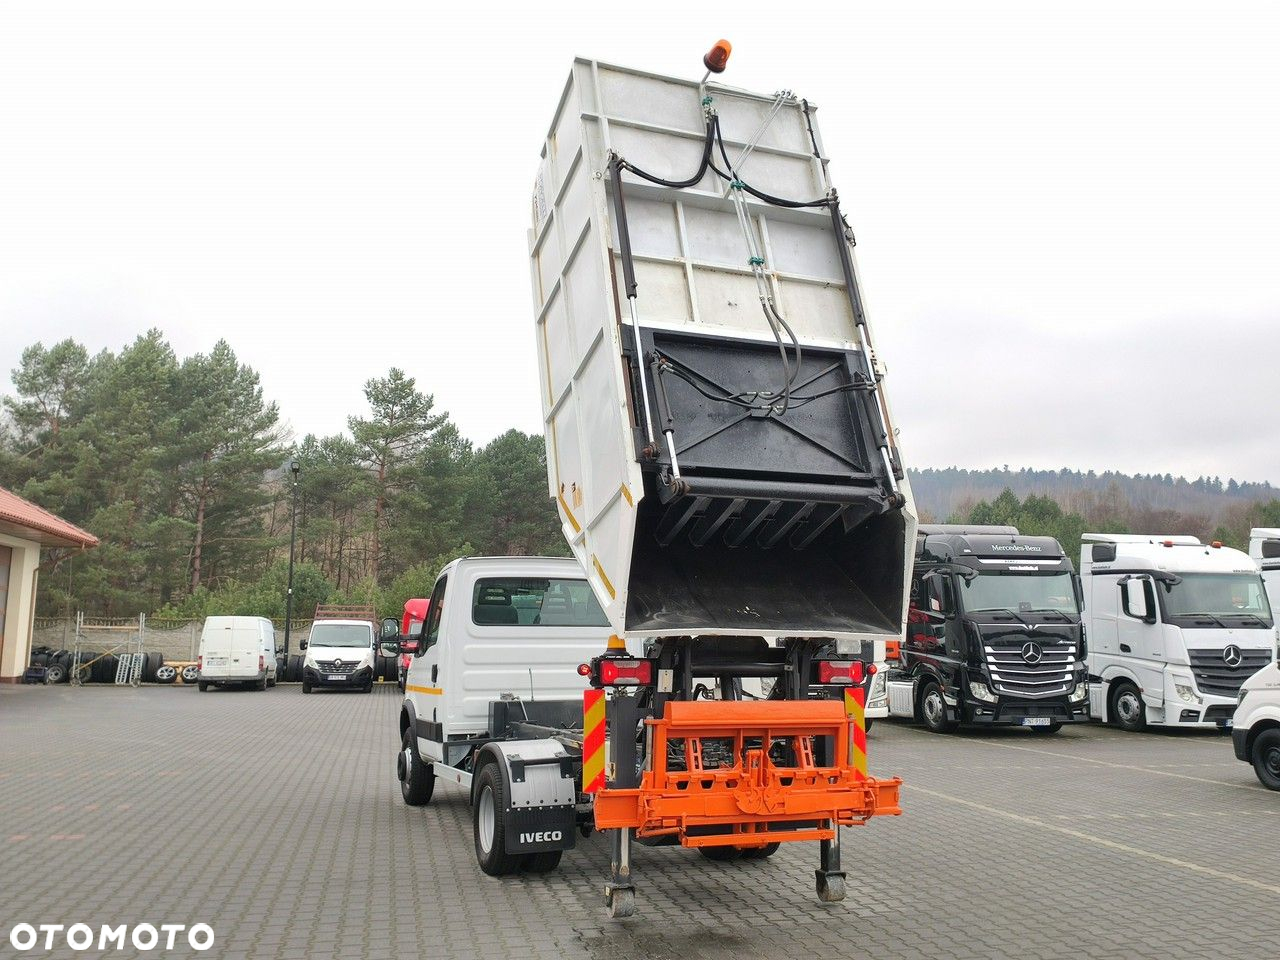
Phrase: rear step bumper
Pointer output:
(757, 800)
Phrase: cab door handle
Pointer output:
(1124, 648)
(435, 667)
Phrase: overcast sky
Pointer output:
(1068, 214)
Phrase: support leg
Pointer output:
(620, 894)
(830, 878)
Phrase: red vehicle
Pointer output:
(415, 615)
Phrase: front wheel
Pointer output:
(933, 709)
(306, 685)
(1266, 758)
(1127, 709)
(417, 779)
(488, 826)
(1046, 731)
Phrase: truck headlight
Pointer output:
(981, 691)
(1186, 692)
(1080, 692)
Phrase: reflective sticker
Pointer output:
(592, 741)
(855, 702)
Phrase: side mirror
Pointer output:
(302, 644)
(390, 648)
(1136, 599)
(390, 628)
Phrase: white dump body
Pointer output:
(611, 470)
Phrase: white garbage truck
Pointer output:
(1174, 627)
(722, 457)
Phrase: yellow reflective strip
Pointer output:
(592, 767)
(573, 521)
(431, 691)
(594, 716)
(604, 577)
(626, 495)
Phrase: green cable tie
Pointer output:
(706, 101)
(756, 261)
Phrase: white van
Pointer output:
(339, 653)
(1256, 734)
(237, 650)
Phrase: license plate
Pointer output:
(217, 661)
(1036, 721)
(336, 676)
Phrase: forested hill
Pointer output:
(945, 493)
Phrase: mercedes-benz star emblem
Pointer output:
(1231, 654)
(1031, 652)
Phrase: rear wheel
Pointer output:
(1266, 758)
(543, 862)
(1128, 712)
(203, 685)
(933, 709)
(760, 853)
(490, 831)
(721, 854)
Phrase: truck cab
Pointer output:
(513, 628)
(1264, 549)
(1175, 627)
(993, 633)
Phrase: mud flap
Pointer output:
(541, 791)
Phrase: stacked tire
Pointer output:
(294, 673)
(386, 668)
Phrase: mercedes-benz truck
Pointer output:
(993, 633)
(1175, 627)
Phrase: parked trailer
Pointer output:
(723, 461)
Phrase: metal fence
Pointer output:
(176, 640)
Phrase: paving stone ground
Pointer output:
(276, 819)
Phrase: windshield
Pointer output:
(341, 635)
(1019, 592)
(535, 602)
(1221, 595)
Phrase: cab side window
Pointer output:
(431, 630)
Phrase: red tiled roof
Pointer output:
(23, 518)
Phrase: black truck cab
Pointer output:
(993, 632)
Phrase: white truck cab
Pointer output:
(514, 628)
(1264, 548)
(1256, 734)
(340, 653)
(1174, 627)
(236, 651)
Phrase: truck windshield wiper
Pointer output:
(1011, 613)
(1053, 610)
(1247, 616)
(1209, 615)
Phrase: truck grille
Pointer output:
(329, 666)
(1218, 678)
(1030, 668)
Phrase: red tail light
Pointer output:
(626, 673)
(262, 662)
(843, 672)
(200, 662)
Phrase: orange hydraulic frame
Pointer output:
(759, 801)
